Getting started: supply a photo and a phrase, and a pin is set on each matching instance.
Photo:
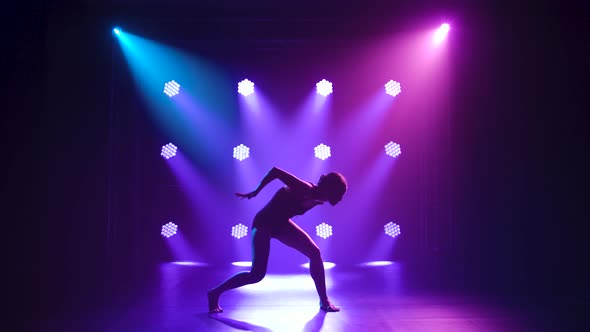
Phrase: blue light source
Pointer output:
(171, 88)
(117, 31)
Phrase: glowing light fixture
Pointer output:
(241, 152)
(323, 230)
(324, 87)
(322, 151)
(171, 88)
(239, 231)
(168, 151)
(393, 88)
(393, 149)
(392, 229)
(441, 33)
(169, 229)
(246, 87)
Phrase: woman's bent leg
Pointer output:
(260, 252)
(294, 236)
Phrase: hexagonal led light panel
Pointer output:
(241, 152)
(168, 151)
(246, 87)
(323, 230)
(393, 88)
(171, 88)
(392, 229)
(393, 149)
(239, 231)
(322, 152)
(324, 87)
(169, 229)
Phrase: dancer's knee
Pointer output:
(257, 276)
(314, 254)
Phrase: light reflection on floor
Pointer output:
(372, 298)
(273, 283)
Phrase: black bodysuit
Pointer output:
(285, 204)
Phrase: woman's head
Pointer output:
(332, 186)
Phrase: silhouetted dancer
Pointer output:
(274, 221)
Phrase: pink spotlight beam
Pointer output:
(441, 33)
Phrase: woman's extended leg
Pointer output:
(293, 236)
(260, 251)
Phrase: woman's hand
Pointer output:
(248, 195)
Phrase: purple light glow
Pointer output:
(323, 230)
(327, 265)
(393, 88)
(171, 88)
(241, 152)
(392, 229)
(189, 263)
(246, 264)
(168, 151)
(239, 231)
(378, 263)
(246, 87)
(169, 229)
(322, 152)
(324, 88)
(441, 33)
(393, 149)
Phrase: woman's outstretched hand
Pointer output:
(248, 195)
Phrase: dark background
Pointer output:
(519, 138)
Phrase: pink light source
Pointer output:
(441, 33)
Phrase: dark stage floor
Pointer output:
(372, 299)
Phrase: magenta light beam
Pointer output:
(441, 33)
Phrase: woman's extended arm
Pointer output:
(276, 173)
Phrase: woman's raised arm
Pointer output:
(287, 178)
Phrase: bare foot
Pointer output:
(213, 300)
(328, 307)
